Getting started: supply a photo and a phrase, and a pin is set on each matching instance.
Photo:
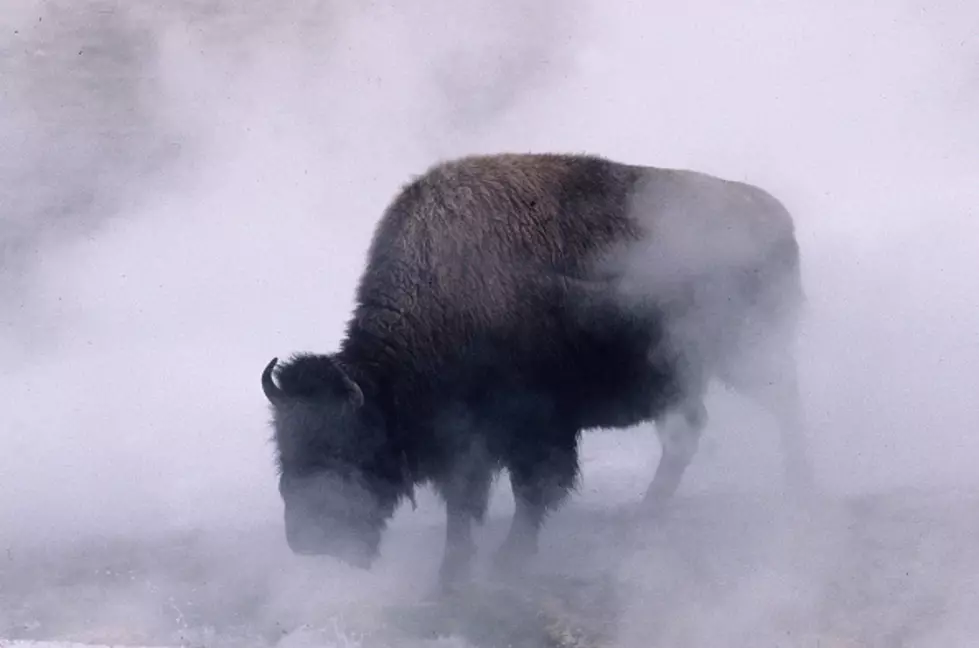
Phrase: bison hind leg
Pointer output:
(779, 396)
(679, 435)
(768, 375)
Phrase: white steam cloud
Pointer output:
(188, 190)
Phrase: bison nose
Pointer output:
(358, 559)
(302, 541)
(350, 553)
(309, 539)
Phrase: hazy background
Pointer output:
(188, 190)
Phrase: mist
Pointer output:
(188, 192)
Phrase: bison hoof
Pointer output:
(802, 494)
(656, 505)
(444, 589)
(512, 558)
(454, 575)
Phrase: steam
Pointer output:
(187, 191)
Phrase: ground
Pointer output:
(892, 569)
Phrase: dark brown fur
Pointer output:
(511, 301)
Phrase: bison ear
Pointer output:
(356, 393)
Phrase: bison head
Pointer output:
(338, 478)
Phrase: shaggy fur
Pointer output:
(511, 301)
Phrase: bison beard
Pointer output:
(508, 303)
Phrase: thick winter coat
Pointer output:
(508, 303)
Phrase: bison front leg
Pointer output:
(459, 548)
(680, 438)
(541, 479)
(466, 496)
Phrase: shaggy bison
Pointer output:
(510, 302)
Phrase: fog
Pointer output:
(188, 192)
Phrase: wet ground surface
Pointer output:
(895, 569)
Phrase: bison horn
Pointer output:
(356, 393)
(272, 391)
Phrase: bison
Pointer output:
(510, 302)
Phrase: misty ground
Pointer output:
(893, 569)
(187, 190)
